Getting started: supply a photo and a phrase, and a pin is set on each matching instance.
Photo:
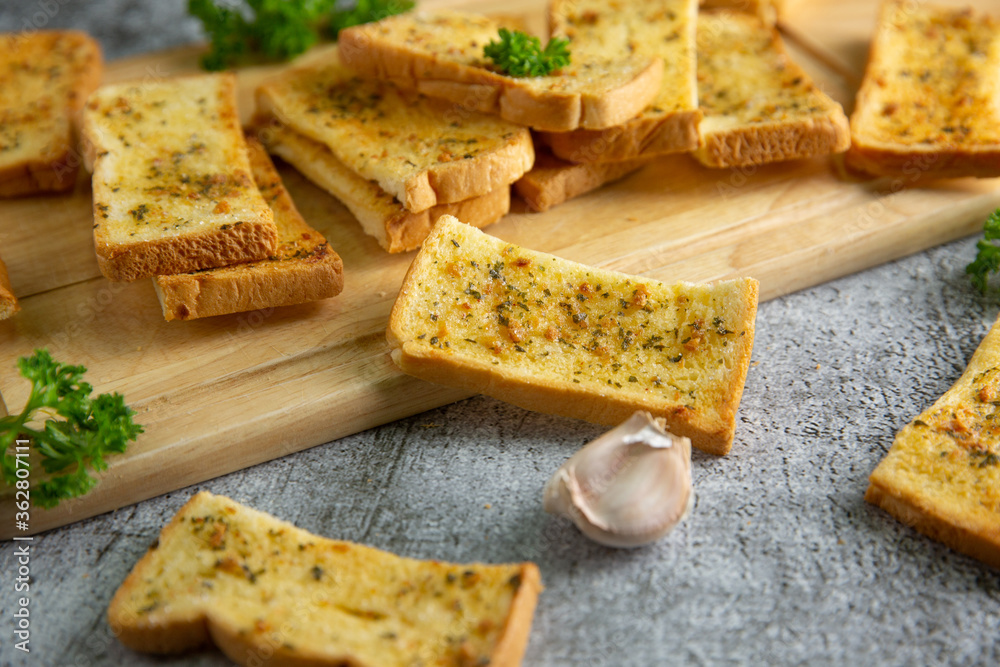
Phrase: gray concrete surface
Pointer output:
(780, 563)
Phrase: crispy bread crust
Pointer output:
(56, 171)
(8, 302)
(553, 181)
(226, 242)
(175, 632)
(479, 89)
(523, 385)
(395, 228)
(305, 268)
(760, 144)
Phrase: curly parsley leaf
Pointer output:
(987, 254)
(520, 54)
(367, 11)
(78, 433)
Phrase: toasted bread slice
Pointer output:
(662, 29)
(553, 181)
(767, 11)
(929, 105)
(45, 76)
(942, 474)
(380, 214)
(759, 106)
(422, 151)
(441, 54)
(257, 586)
(172, 185)
(8, 302)
(555, 336)
(304, 267)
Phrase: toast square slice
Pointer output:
(440, 53)
(257, 586)
(45, 76)
(304, 267)
(553, 181)
(422, 151)
(379, 213)
(929, 105)
(560, 337)
(8, 302)
(759, 105)
(942, 473)
(662, 29)
(173, 191)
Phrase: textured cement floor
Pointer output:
(780, 563)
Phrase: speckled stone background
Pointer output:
(780, 563)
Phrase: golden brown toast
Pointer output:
(440, 54)
(928, 106)
(553, 181)
(759, 105)
(172, 185)
(555, 336)
(257, 586)
(8, 302)
(304, 267)
(379, 213)
(662, 29)
(45, 76)
(420, 150)
(942, 474)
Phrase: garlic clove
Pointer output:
(627, 488)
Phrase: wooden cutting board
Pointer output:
(224, 393)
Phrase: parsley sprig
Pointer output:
(279, 29)
(519, 54)
(76, 436)
(987, 253)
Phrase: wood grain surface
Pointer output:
(224, 393)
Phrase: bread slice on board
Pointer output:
(769, 11)
(662, 29)
(45, 76)
(440, 54)
(304, 267)
(553, 181)
(379, 213)
(759, 105)
(420, 150)
(929, 105)
(555, 336)
(172, 185)
(942, 474)
(257, 586)
(8, 302)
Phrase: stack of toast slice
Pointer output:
(397, 159)
(928, 107)
(175, 193)
(45, 77)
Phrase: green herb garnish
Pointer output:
(520, 54)
(987, 253)
(78, 433)
(279, 29)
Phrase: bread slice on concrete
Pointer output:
(929, 105)
(304, 267)
(8, 302)
(440, 54)
(172, 185)
(255, 586)
(422, 151)
(380, 214)
(553, 181)
(663, 29)
(942, 474)
(45, 77)
(555, 336)
(759, 106)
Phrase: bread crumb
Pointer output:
(818, 367)
(381, 294)
(632, 218)
(488, 506)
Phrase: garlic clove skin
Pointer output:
(627, 488)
